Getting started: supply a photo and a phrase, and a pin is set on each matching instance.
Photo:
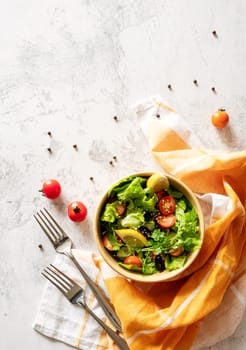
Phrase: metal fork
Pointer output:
(76, 295)
(63, 245)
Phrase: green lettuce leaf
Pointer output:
(133, 220)
(139, 199)
(174, 263)
(122, 185)
(148, 267)
(131, 267)
(133, 190)
(110, 214)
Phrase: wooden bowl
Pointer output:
(162, 276)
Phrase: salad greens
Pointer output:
(167, 246)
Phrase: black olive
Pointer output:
(159, 263)
(145, 231)
(148, 216)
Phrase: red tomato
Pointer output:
(77, 211)
(133, 260)
(120, 208)
(166, 221)
(106, 243)
(177, 252)
(161, 194)
(51, 189)
(167, 205)
(220, 118)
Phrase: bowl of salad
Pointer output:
(149, 227)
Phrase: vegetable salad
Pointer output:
(147, 231)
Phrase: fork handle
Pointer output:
(116, 338)
(101, 298)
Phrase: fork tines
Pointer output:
(50, 227)
(63, 282)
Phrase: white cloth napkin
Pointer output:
(57, 318)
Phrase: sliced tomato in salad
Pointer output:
(177, 252)
(120, 208)
(133, 260)
(166, 221)
(107, 243)
(161, 194)
(167, 205)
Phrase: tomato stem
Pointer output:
(42, 192)
(76, 209)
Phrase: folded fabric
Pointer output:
(60, 320)
(189, 313)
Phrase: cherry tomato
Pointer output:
(106, 243)
(161, 194)
(220, 118)
(120, 208)
(166, 221)
(77, 211)
(167, 205)
(133, 260)
(177, 252)
(51, 189)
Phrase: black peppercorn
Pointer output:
(116, 118)
(158, 116)
(195, 82)
(169, 86)
(49, 133)
(75, 146)
(49, 150)
(213, 89)
(111, 162)
(214, 33)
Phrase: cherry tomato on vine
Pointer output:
(77, 211)
(167, 205)
(220, 118)
(51, 189)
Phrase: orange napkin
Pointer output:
(206, 305)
